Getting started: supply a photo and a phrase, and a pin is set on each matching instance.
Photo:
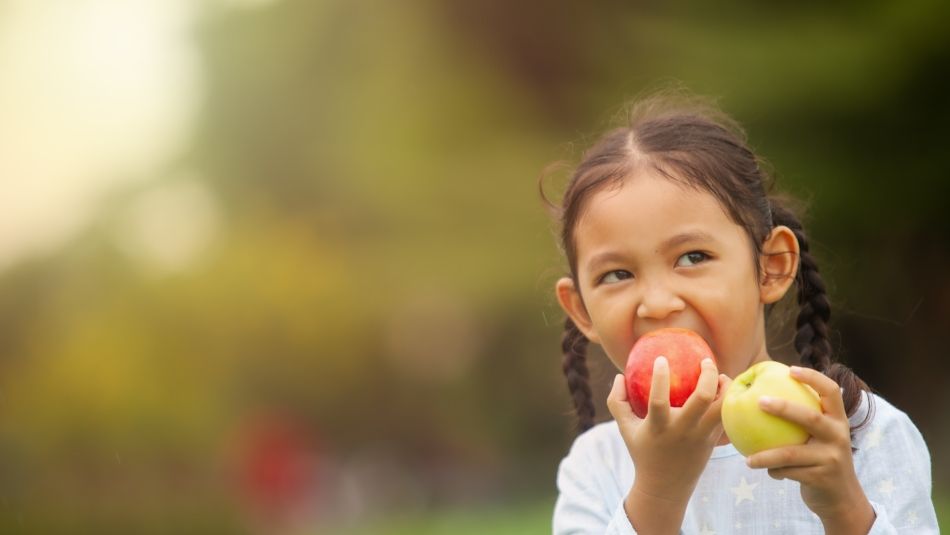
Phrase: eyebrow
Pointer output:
(670, 243)
(684, 238)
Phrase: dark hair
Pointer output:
(691, 142)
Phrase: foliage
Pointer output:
(382, 271)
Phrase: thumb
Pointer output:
(617, 402)
(712, 420)
(724, 382)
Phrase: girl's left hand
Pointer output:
(823, 465)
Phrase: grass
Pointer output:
(518, 519)
(942, 504)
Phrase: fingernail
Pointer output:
(766, 401)
(795, 370)
(707, 361)
(660, 361)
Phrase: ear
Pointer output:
(779, 264)
(572, 303)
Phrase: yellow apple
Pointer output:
(751, 429)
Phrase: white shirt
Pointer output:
(891, 461)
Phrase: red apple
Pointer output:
(683, 349)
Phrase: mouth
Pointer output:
(675, 331)
(676, 328)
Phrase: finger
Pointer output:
(800, 474)
(724, 383)
(705, 394)
(712, 417)
(817, 424)
(658, 413)
(828, 390)
(617, 402)
(780, 473)
(786, 457)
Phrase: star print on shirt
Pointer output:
(886, 487)
(706, 531)
(912, 518)
(744, 491)
(873, 439)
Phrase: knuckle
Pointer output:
(614, 407)
(837, 457)
(844, 431)
(843, 441)
(787, 456)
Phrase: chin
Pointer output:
(747, 363)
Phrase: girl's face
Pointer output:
(653, 253)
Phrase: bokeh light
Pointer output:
(281, 266)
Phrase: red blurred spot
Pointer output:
(278, 465)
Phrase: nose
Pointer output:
(659, 301)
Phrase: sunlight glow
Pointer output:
(95, 94)
(167, 228)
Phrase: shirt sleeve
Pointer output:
(893, 467)
(583, 506)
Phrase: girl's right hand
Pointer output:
(671, 446)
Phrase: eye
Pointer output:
(615, 276)
(692, 258)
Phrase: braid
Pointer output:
(812, 339)
(574, 364)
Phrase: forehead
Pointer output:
(644, 210)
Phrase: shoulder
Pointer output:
(602, 440)
(892, 463)
(886, 429)
(592, 480)
(596, 472)
(598, 450)
(874, 410)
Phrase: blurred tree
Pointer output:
(380, 265)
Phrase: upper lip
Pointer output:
(697, 331)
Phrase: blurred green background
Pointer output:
(281, 266)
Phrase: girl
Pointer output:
(668, 222)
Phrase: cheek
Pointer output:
(731, 313)
(614, 325)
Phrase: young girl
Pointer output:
(668, 222)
